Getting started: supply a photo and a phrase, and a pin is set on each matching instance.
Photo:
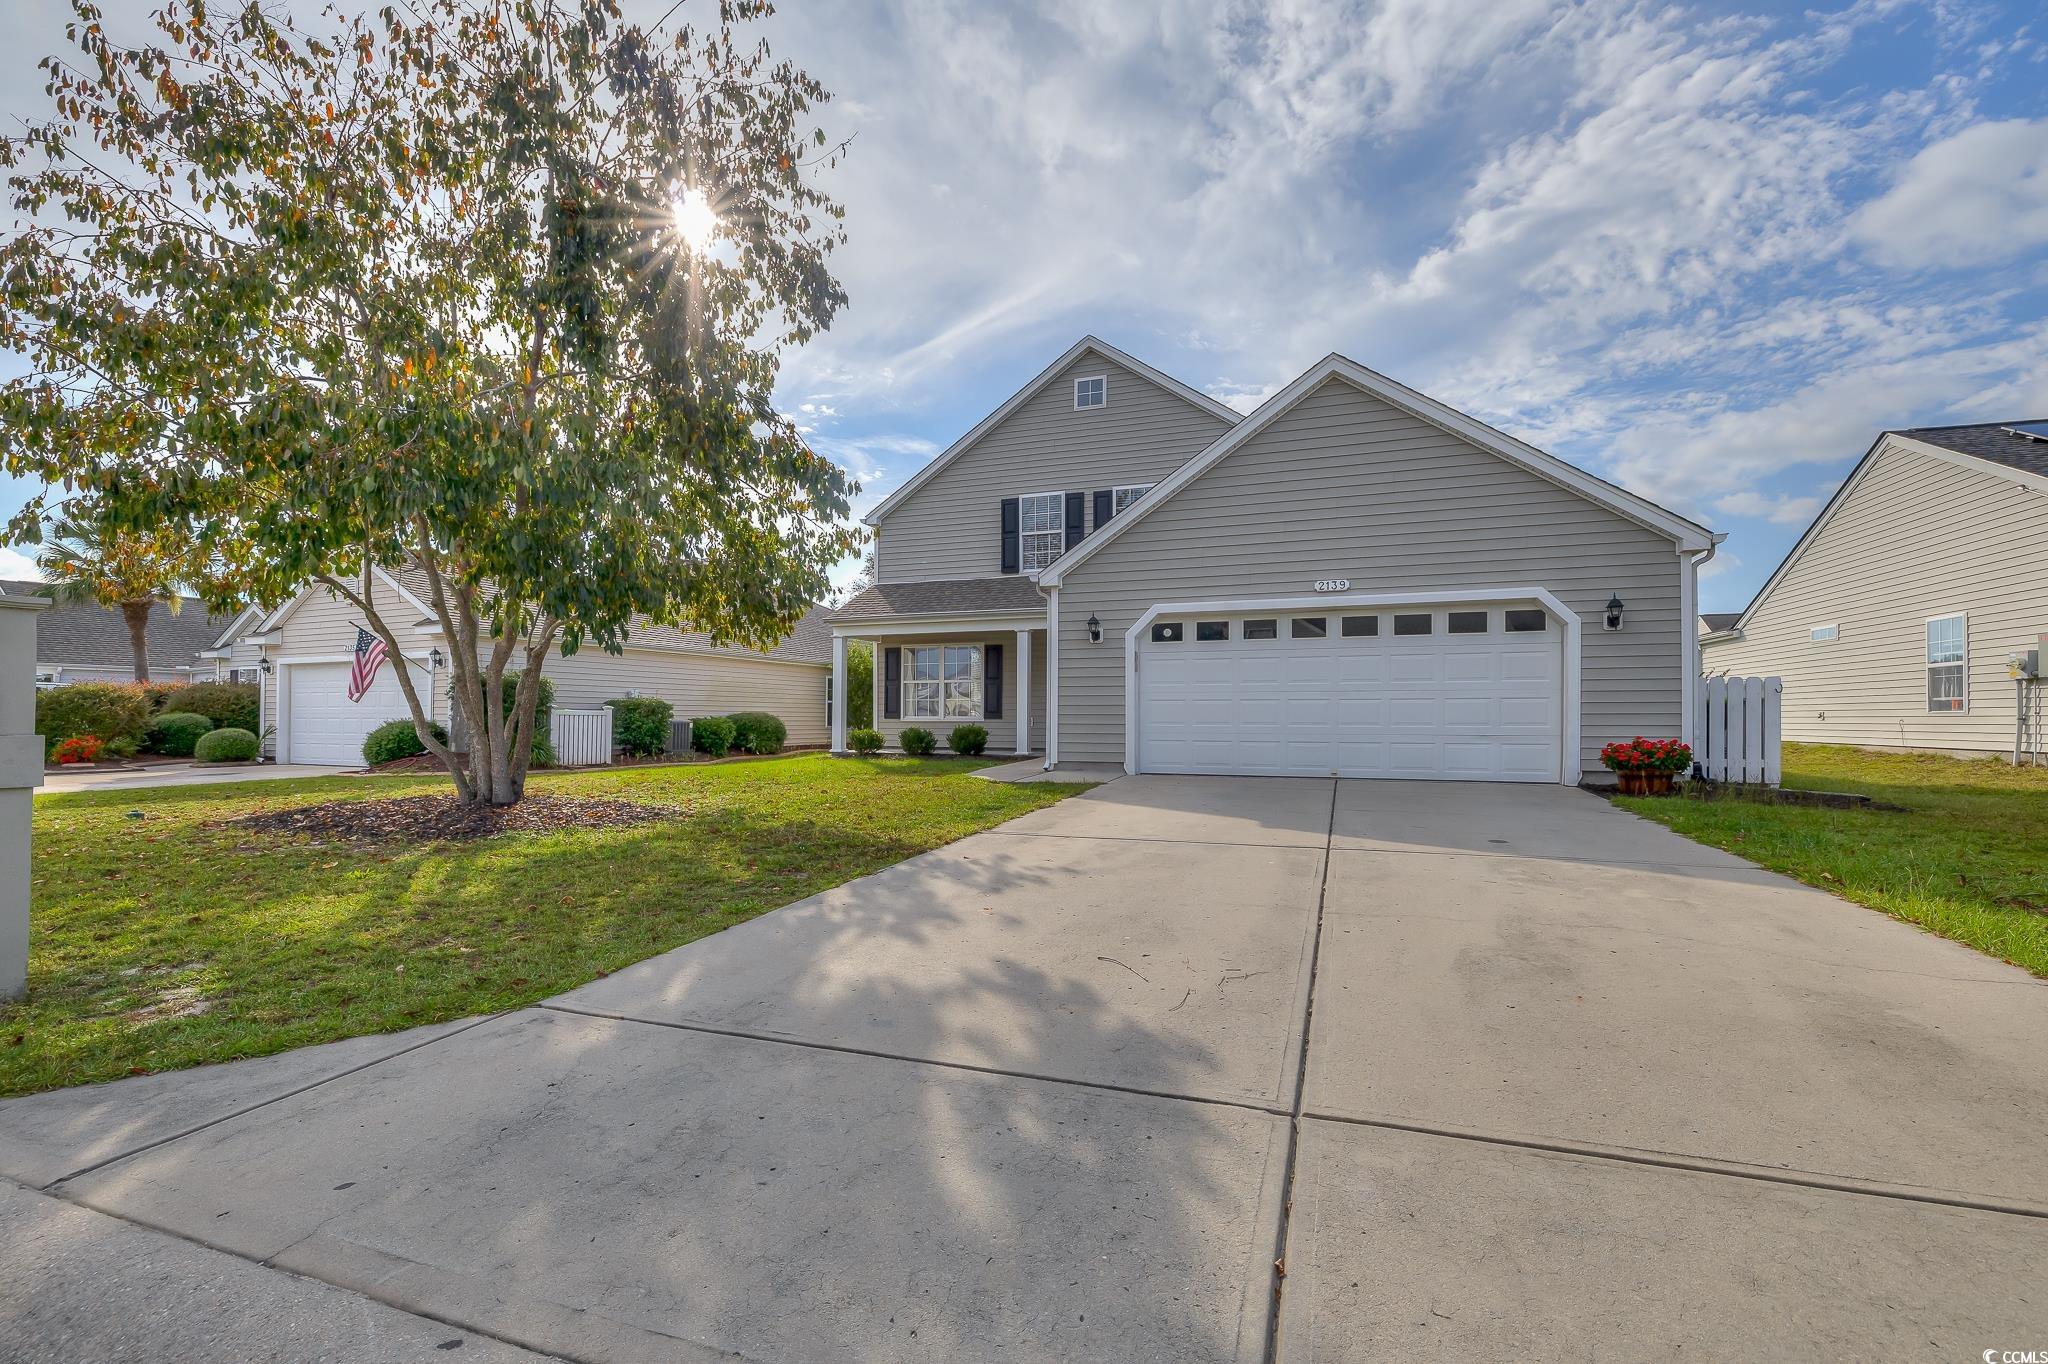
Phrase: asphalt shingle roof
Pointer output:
(86, 634)
(1720, 620)
(1989, 440)
(1012, 592)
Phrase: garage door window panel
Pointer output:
(1210, 631)
(1361, 627)
(1418, 624)
(1468, 622)
(1262, 629)
(1525, 622)
(1310, 627)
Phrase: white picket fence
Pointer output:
(582, 738)
(1738, 728)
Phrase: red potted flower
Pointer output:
(1646, 766)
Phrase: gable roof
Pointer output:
(1030, 391)
(1717, 621)
(86, 634)
(1993, 441)
(1986, 447)
(1687, 534)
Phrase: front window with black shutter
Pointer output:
(942, 682)
(1041, 530)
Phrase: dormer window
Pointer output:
(1091, 392)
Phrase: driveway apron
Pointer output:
(1483, 1068)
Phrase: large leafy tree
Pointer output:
(130, 571)
(491, 290)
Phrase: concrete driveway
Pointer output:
(1494, 1071)
(177, 774)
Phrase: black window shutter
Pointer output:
(1077, 518)
(1105, 507)
(892, 684)
(1012, 559)
(992, 681)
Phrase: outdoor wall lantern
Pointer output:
(1094, 630)
(1613, 621)
(436, 660)
(267, 666)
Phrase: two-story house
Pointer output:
(1353, 579)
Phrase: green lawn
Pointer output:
(159, 943)
(1967, 858)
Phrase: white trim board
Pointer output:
(1686, 534)
(1568, 761)
(1032, 390)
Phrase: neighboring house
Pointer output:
(1352, 579)
(303, 650)
(1714, 622)
(1892, 619)
(82, 641)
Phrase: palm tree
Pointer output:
(125, 571)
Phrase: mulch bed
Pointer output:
(428, 819)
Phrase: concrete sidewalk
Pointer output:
(1495, 1071)
(183, 774)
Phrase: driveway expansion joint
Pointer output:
(246, 1109)
(999, 1072)
(1692, 1164)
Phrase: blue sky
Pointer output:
(1708, 251)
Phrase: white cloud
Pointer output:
(1978, 196)
(1779, 511)
(16, 566)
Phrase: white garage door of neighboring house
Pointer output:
(1451, 694)
(321, 725)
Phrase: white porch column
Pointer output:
(21, 771)
(839, 693)
(1023, 693)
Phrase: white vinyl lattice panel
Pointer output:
(1738, 729)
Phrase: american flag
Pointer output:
(369, 658)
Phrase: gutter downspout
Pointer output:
(1689, 562)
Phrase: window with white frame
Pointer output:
(1825, 634)
(942, 682)
(1041, 529)
(46, 678)
(1091, 392)
(1119, 498)
(1948, 663)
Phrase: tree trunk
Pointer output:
(136, 613)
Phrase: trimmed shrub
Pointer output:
(79, 748)
(967, 740)
(395, 739)
(228, 746)
(640, 724)
(865, 742)
(175, 732)
(122, 748)
(756, 731)
(712, 734)
(161, 695)
(919, 743)
(106, 710)
(230, 705)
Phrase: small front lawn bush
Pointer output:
(640, 725)
(865, 742)
(395, 739)
(175, 732)
(230, 705)
(79, 748)
(967, 740)
(105, 710)
(756, 731)
(711, 734)
(229, 746)
(919, 743)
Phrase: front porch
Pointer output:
(932, 674)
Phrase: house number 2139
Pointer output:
(1333, 584)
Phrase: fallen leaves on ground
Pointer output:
(429, 819)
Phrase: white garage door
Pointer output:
(1453, 694)
(323, 726)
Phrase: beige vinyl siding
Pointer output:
(1002, 734)
(324, 626)
(1915, 537)
(952, 527)
(1348, 486)
(698, 684)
